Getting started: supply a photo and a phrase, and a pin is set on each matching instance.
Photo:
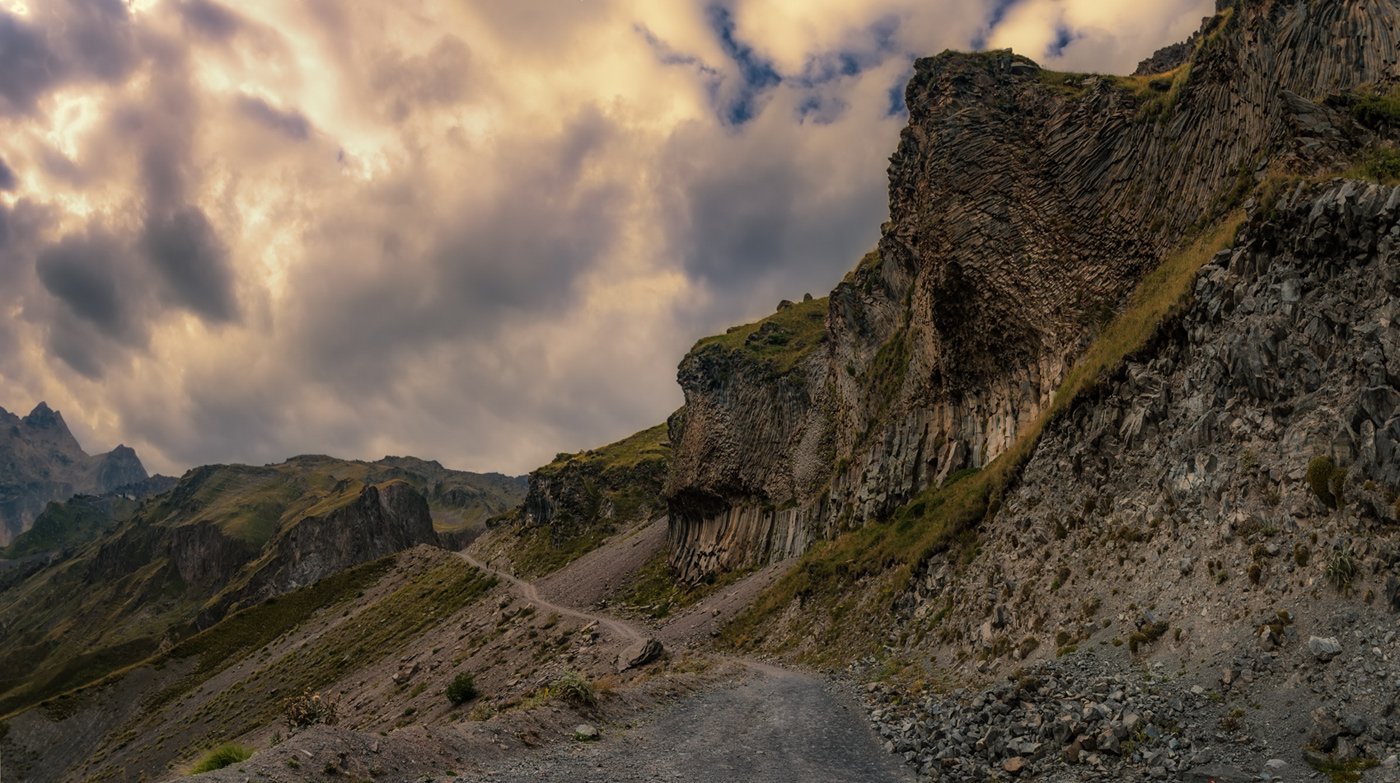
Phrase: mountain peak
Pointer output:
(44, 417)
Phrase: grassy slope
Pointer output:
(411, 602)
(942, 518)
(70, 524)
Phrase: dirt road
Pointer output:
(769, 725)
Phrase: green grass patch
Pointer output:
(782, 339)
(1379, 164)
(1378, 110)
(944, 518)
(536, 553)
(220, 757)
(650, 445)
(1340, 771)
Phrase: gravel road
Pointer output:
(772, 725)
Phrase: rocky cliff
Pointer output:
(1242, 462)
(41, 462)
(1025, 206)
(578, 500)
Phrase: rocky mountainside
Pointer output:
(41, 461)
(1025, 207)
(224, 537)
(578, 500)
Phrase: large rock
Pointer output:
(639, 654)
(1324, 649)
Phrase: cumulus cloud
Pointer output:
(482, 233)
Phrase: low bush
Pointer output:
(573, 688)
(220, 757)
(309, 709)
(1326, 481)
(462, 689)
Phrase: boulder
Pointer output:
(639, 654)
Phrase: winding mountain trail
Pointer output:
(623, 630)
(769, 725)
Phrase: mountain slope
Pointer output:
(225, 537)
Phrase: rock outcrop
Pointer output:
(380, 520)
(41, 462)
(1024, 206)
(578, 500)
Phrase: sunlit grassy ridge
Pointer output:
(648, 445)
(946, 517)
(782, 339)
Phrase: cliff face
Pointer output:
(381, 520)
(41, 462)
(1196, 464)
(1024, 206)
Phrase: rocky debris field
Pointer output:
(1282, 708)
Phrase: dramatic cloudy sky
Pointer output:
(482, 231)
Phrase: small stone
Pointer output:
(1072, 753)
(1014, 765)
(586, 732)
(1324, 649)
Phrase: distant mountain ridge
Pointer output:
(41, 462)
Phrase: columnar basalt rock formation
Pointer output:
(1024, 206)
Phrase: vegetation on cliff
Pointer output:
(782, 339)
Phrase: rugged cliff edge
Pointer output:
(1025, 206)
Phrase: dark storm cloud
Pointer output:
(27, 67)
(65, 41)
(209, 19)
(441, 76)
(84, 272)
(8, 180)
(760, 223)
(193, 263)
(291, 124)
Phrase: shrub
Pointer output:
(574, 689)
(462, 689)
(221, 757)
(1326, 480)
(1150, 632)
(1341, 568)
(308, 709)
